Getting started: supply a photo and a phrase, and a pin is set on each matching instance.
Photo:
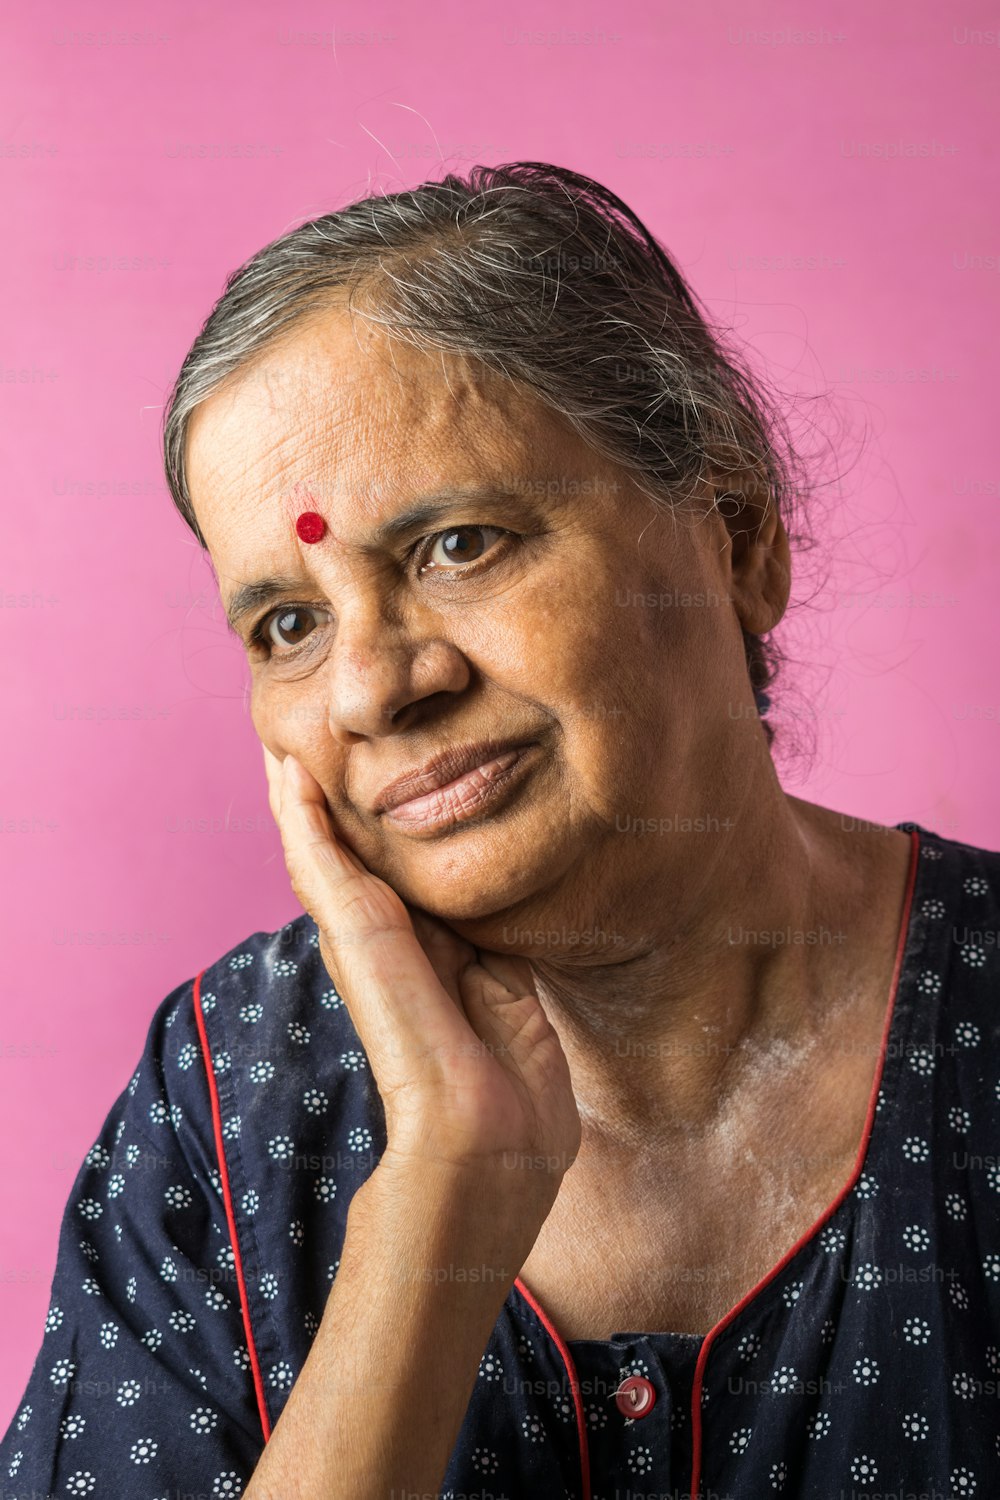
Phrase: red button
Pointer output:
(635, 1397)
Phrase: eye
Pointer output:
(282, 631)
(457, 545)
(287, 627)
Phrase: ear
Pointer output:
(755, 550)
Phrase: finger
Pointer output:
(272, 769)
(303, 808)
(512, 970)
(448, 952)
(511, 1024)
(397, 996)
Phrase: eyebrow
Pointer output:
(249, 597)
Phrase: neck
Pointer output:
(788, 925)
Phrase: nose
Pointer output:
(382, 670)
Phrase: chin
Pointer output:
(472, 887)
(466, 902)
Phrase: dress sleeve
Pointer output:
(142, 1386)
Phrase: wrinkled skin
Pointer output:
(608, 633)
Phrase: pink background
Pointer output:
(866, 149)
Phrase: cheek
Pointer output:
(263, 722)
(626, 670)
(593, 666)
(549, 645)
(288, 724)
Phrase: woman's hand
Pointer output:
(471, 1072)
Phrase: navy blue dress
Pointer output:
(204, 1229)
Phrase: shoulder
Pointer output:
(267, 973)
(951, 961)
(268, 998)
(288, 1121)
(261, 1056)
(957, 883)
(938, 848)
(247, 1035)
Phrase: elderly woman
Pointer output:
(611, 1123)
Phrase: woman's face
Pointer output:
(543, 601)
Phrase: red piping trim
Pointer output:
(574, 1384)
(862, 1149)
(743, 1302)
(227, 1198)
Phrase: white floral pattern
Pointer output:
(840, 1373)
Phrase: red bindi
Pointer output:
(310, 526)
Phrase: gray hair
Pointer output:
(550, 279)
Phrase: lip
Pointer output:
(441, 771)
(465, 798)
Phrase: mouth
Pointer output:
(462, 793)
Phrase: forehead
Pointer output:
(339, 417)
